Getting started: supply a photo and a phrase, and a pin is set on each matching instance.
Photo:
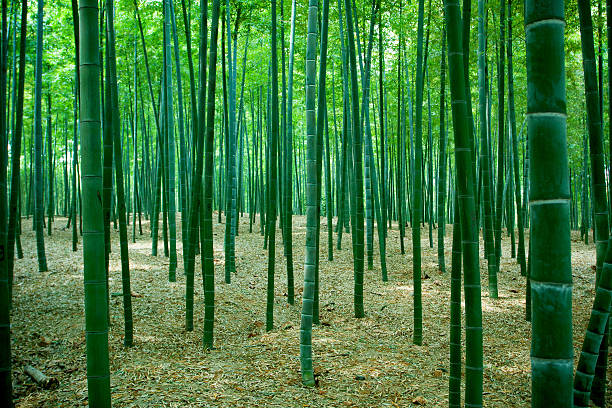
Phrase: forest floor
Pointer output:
(369, 362)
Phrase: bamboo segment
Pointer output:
(467, 207)
(96, 323)
(311, 211)
(551, 274)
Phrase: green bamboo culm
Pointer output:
(183, 179)
(311, 192)
(38, 182)
(585, 371)
(328, 194)
(195, 209)
(380, 223)
(113, 104)
(466, 25)
(156, 185)
(13, 234)
(273, 150)
(441, 196)
(372, 198)
(515, 155)
(194, 124)
(551, 272)
(6, 387)
(467, 208)
(594, 132)
(171, 150)
(599, 383)
(485, 158)
(381, 121)
(401, 146)
(208, 265)
(417, 203)
(107, 170)
(357, 179)
(96, 323)
(321, 116)
(288, 200)
(50, 158)
(454, 376)
(75, 148)
(137, 191)
(230, 210)
(369, 199)
(598, 178)
(501, 119)
(135, 146)
(343, 205)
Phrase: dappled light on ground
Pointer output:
(358, 362)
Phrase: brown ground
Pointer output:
(369, 362)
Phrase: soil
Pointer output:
(368, 362)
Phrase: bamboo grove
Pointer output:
(161, 119)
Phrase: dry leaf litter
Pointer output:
(369, 362)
